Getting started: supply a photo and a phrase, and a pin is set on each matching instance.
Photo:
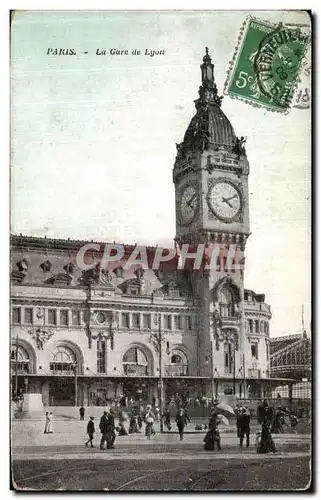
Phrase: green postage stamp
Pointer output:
(266, 64)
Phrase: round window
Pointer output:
(101, 317)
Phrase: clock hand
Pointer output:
(232, 197)
(190, 201)
(225, 200)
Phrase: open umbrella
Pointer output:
(224, 409)
(223, 420)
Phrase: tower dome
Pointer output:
(209, 127)
(211, 122)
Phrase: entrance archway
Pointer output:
(65, 364)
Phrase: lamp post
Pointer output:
(157, 340)
(213, 372)
(76, 384)
(234, 368)
(232, 340)
(244, 375)
(16, 370)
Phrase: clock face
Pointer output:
(188, 204)
(225, 200)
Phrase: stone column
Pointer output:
(33, 399)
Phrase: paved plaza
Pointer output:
(61, 461)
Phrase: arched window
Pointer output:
(135, 362)
(226, 302)
(63, 361)
(178, 366)
(176, 359)
(20, 362)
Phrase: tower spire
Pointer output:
(208, 89)
(207, 71)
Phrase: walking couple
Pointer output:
(107, 429)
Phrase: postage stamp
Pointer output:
(266, 64)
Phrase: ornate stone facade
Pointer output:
(101, 332)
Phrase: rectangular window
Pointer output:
(188, 322)
(267, 350)
(75, 317)
(101, 356)
(167, 322)
(16, 315)
(133, 290)
(257, 326)
(52, 317)
(28, 315)
(227, 358)
(254, 350)
(178, 322)
(125, 320)
(146, 321)
(136, 320)
(64, 317)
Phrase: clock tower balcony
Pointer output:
(232, 321)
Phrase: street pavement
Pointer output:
(61, 461)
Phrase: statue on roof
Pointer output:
(239, 146)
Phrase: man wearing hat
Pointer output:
(111, 435)
(245, 427)
(90, 432)
(103, 426)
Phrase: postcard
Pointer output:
(160, 332)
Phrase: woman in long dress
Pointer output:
(213, 434)
(49, 427)
(48, 424)
(149, 420)
(267, 443)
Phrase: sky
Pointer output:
(93, 139)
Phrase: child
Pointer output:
(90, 432)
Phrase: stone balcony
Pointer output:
(260, 307)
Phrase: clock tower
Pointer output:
(212, 208)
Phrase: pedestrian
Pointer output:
(111, 435)
(261, 410)
(245, 427)
(167, 418)
(238, 414)
(213, 434)
(103, 429)
(49, 426)
(149, 420)
(82, 413)
(157, 414)
(90, 432)
(121, 424)
(133, 427)
(267, 443)
(276, 421)
(293, 420)
(182, 419)
(47, 423)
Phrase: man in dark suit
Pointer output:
(111, 435)
(181, 421)
(245, 419)
(103, 425)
